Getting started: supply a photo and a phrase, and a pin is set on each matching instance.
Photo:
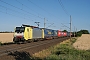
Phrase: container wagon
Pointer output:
(65, 34)
(48, 33)
(55, 33)
(60, 34)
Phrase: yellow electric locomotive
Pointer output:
(27, 33)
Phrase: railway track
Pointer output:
(4, 50)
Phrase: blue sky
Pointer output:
(17, 12)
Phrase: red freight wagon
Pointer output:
(62, 34)
(65, 34)
(59, 33)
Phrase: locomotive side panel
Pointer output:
(28, 33)
(37, 33)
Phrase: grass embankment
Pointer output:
(64, 51)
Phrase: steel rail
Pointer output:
(5, 52)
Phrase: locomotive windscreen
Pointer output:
(19, 29)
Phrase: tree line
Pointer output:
(78, 33)
(6, 32)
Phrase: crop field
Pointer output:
(6, 37)
(83, 42)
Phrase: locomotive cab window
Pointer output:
(20, 29)
(27, 30)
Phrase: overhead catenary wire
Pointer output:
(29, 8)
(24, 10)
(20, 9)
(32, 9)
(11, 14)
(65, 25)
(50, 25)
(61, 4)
(14, 11)
(43, 9)
(39, 7)
(14, 15)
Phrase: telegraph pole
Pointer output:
(74, 31)
(70, 27)
(44, 22)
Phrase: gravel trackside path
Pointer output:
(83, 42)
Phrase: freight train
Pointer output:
(32, 33)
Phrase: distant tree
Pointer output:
(79, 33)
(84, 31)
(65, 31)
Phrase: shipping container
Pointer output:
(62, 34)
(55, 32)
(48, 33)
(65, 34)
(68, 34)
(59, 33)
